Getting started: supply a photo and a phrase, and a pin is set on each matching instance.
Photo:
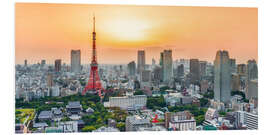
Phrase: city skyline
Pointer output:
(168, 79)
(52, 35)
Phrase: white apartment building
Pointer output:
(128, 101)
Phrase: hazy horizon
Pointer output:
(51, 31)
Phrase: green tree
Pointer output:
(155, 102)
(138, 92)
(18, 112)
(66, 119)
(88, 129)
(203, 102)
(209, 94)
(199, 119)
(222, 113)
(121, 126)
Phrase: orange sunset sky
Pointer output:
(50, 31)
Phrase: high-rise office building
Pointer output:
(25, 63)
(146, 76)
(233, 65)
(222, 78)
(252, 80)
(194, 70)
(131, 68)
(180, 70)
(203, 68)
(141, 61)
(57, 65)
(241, 69)
(235, 83)
(49, 80)
(153, 62)
(167, 65)
(157, 77)
(75, 61)
(252, 70)
(161, 59)
(43, 62)
(252, 89)
(161, 65)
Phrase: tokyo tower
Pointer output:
(94, 83)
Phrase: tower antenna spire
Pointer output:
(94, 20)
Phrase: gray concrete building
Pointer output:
(222, 78)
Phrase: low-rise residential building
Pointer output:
(180, 121)
(219, 106)
(133, 123)
(211, 114)
(246, 119)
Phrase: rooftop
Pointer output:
(41, 124)
(106, 129)
(74, 104)
(137, 120)
(45, 115)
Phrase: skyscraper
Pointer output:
(233, 65)
(203, 68)
(161, 59)
(167, 65)
(146, 76)
(235, 82)
(252, 89)
(252, 70)
(25, 63)
(180, 70)
(157, 77)
(49, 80)
(252, 80)
(161, 65)
(153, 64)
(222, 78)
(194, 70)
(75, 61)
(57, 65)
(43, 62)
(131, 68)
(141, 61)
(241, 69)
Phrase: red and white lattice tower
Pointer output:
(94, 83)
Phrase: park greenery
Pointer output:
(47, 103)
(101, 114)
(92, 121)
(24, 115)
(155, 103)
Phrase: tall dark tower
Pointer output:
(94, 83)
